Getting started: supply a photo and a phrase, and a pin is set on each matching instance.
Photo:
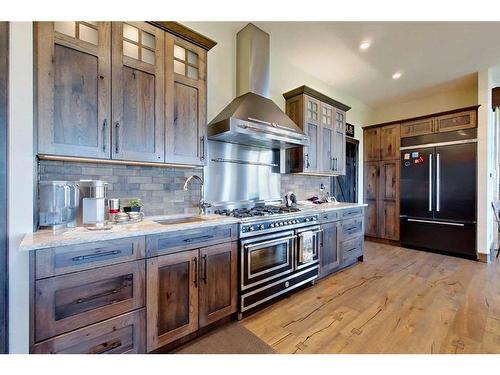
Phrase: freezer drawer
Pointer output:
(453, 238)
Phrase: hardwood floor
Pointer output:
(397, 301)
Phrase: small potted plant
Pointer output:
(134, 205)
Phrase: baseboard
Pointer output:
(382, 240)
(487, 258)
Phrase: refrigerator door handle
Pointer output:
(437, 222)
(438, 183)
(430, 182)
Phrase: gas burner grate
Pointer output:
(256, 211)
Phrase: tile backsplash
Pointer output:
(160, 188)
(302, 185)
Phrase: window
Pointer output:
(86, 31)
(186, 62)
(139, 44)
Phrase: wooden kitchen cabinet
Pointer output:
(172, 297)
(323, 120)
(371, 196)
(218, 282)
(456, 121)
(188, 290)
(329, 249)
(417, 127)
(138, 86)
(74, 88)
(388, 215)
(339, 147)
(390, 142)
(131, 91)
(371, 144)
(185, 102)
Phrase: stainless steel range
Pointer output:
(279, 248)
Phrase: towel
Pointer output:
(307, 250)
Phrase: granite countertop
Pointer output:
(309, 206)
(45, 238)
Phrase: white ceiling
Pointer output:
(431, 55)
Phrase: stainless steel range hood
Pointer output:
(252, 118)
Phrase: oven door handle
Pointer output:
(270, 242)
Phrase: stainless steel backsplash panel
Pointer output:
(249, 177)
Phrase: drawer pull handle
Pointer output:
(106, 347)
(96, 296)
(96, 255)
(354, 248)
(351, 228)
(201, 238)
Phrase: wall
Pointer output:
(283, 77)
(423, 104)
(20, 180)
(487, 168)
(160, 189)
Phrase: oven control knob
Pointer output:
(287, 284)
(295, 221)
(315, 218)
(307, 219)
(281, 224)
(261, 226)
(271, 225)
(251, 229)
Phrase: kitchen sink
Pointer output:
(180, 220)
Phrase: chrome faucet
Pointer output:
(202, 205)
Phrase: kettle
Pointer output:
(290, 199)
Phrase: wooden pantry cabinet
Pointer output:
(129, 91)
(381, 180)
(323, 120)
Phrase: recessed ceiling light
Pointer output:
(396, 75)
(364, 45)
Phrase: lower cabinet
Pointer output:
(342, 242)
(188, 290)
(329, 250)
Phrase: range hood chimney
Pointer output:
(252, 118)
(252, 61)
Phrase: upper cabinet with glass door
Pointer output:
(323, 120)
(138, 130)
(186, 88)
(73, 63)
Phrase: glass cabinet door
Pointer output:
(312, 129)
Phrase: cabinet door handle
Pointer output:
(202, 147)
(104, 126)
(195, 266)
(205, 270)
(117, 141)
(308, 164)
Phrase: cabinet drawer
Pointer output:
(352, 249)
(66, 259)
(326, 217)
(167, 243)
(64, 303)
(456, 121)
(351, 228)
(120, 335)
(352, 212)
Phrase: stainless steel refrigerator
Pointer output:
(438, 192)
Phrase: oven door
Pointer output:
(264, 258)
(307, 249)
